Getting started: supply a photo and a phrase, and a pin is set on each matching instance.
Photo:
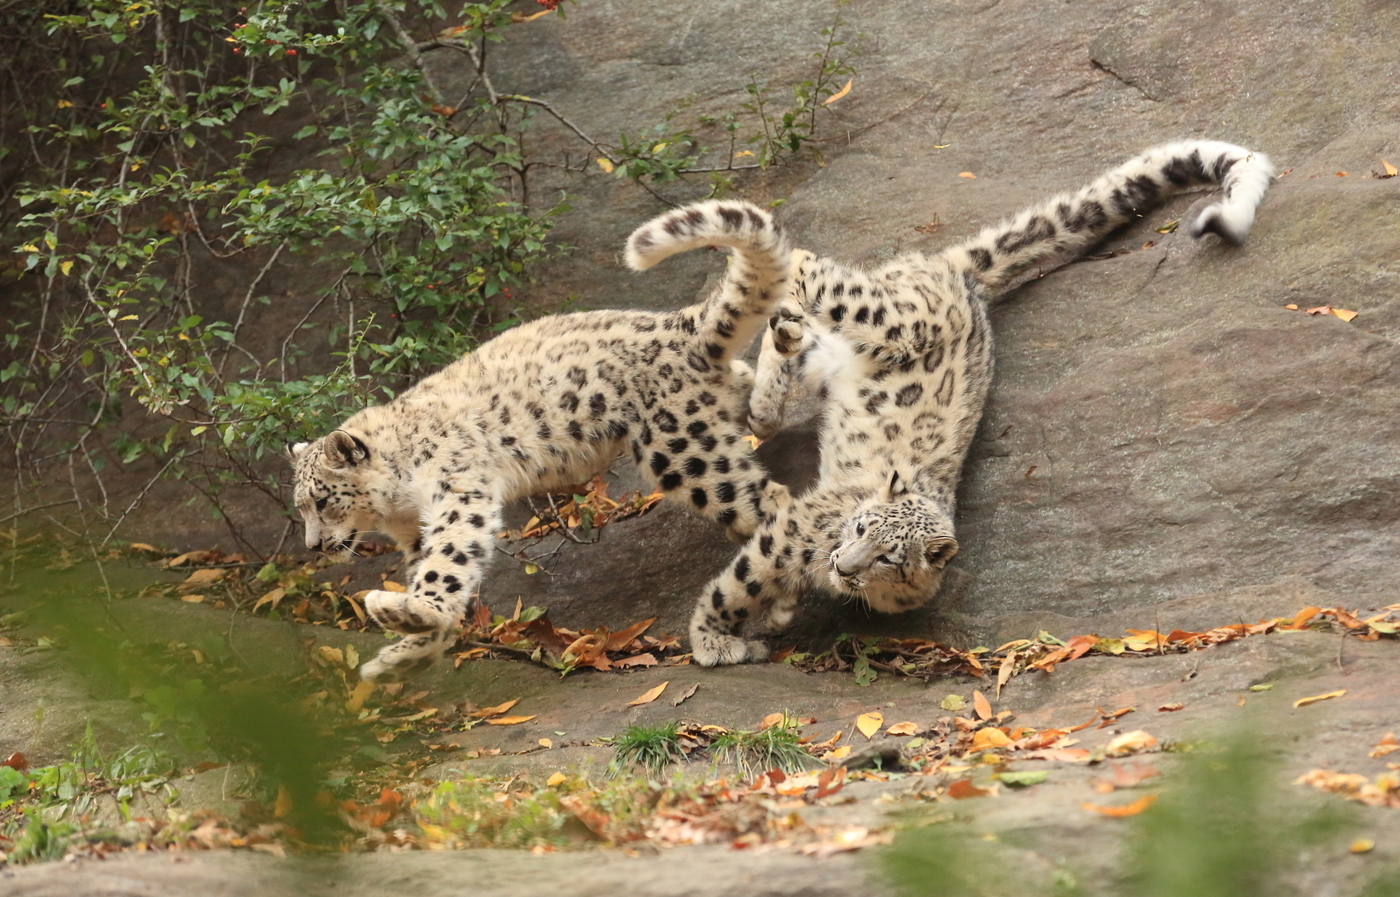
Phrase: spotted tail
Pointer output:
(1072, 222)
(758, 270)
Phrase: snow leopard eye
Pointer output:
(885, 559)
(860, 530)
(322, 502)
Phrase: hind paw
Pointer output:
(788, 331)
(395, 612)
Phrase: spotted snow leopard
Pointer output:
(904, 353)
(547, 404)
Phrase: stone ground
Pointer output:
(1166, 446)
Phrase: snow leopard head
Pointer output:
(342, 490)
(893, 549)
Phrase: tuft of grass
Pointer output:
(776, 747)
(650, 747)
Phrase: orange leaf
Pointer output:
(493, 711)
(989, 738)
(839, 94)
(1008, 666)
(831, 781)
(967, 174)
(1303, 702)
(510, 720)
(1171, 708)
(981, 706)
(1344, 314)
(19, 763)
(1387, 745)
(963, 789)
(649, 696)
(903, 729)
(619, 640)
(282, 807)
(357, 697)
(1131, 809)
(1301, 619)
(1390, 170)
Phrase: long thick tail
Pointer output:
(758, 270)
(1071, 222)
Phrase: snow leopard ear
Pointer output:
(894, 489)
(295, 450)
(344, 450)
(939, 551)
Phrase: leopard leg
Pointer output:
(754, 595)
(456, 539)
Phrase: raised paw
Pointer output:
(712, 650)
(788, 331)
(403, 660)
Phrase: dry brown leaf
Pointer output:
(1387, 745)
(907, 728)
(1171, 708)
(510, 720)
(967, 174)
(619, 640)
(272, 598)
(1131, 809)
(192, 599)
(484, 712)
(869, 723)
(204, 576)
(839, 94)
(981, 706)
(1303, 702)
(989, 738)
(963, 789)
(1130, 743)
(649, 696)
(357, 697)
(1344, 314)
(389, 585)
(685, 695)
(1008, 666)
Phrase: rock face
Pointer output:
(1161, 427)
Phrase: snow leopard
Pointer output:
(546, 404)
(904, 354)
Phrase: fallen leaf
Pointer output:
(357, 697)
(334, 655)
(1292, 305)
(903, 729)
(1343, 174)
(839, 94)
(1008, 666)
(1130, 743)
(1131, 809)
(272, 598)
(967, 174)
(282, 806)
(981, 706)
(649, 696)
(484, 712)
(1364, 845)
(686, 695)
(870, 723)
(1303, 702)
(1023, 778)
(192, 599)
(1390, 171)
(619, 640)
(142, 546)
(1171, 708)
(1344, 314)
(389, 585)
(954, 703)
(1387, 745)
(1262, 686)
(204, 576)
(17, 762)
(989, 738)
(546, 743)
(641, 660)
(831, 781)
(510, 720)
(962, 789)
(605, 164)
(556, 779)
(1127, 776)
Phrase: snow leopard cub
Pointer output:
(904, 353)
(547, 404)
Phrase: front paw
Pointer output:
(393, 611)
(404, 659)
(711, 650)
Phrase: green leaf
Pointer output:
(1023, 778)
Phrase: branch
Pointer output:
(52, 504)
(411, 47)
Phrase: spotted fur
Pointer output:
(547, 404)
(904, 353)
